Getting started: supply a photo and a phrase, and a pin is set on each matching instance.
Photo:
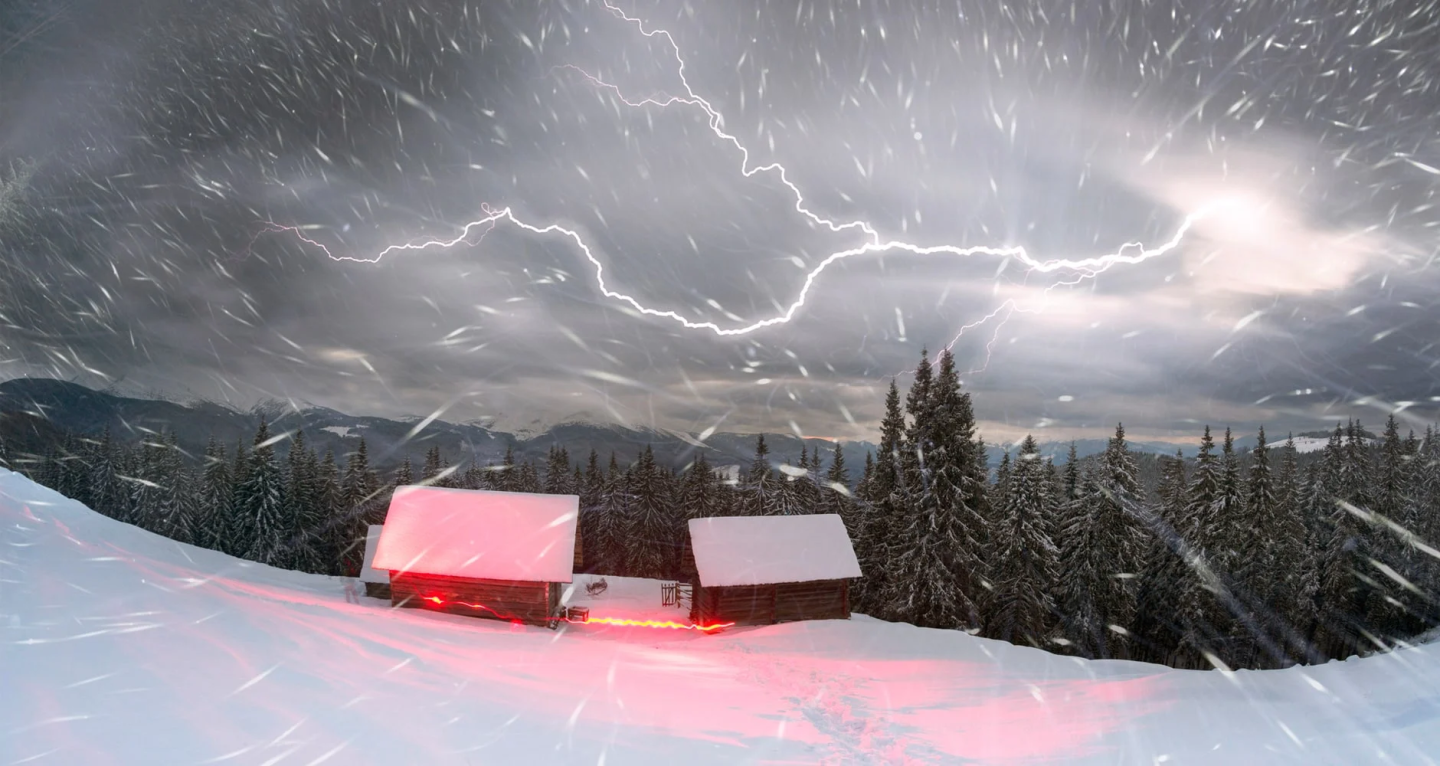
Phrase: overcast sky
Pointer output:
(147, 146)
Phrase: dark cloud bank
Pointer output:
(144, 146)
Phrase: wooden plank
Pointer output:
(821, 600)
(531, 602)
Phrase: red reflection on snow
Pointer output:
(657, 624)
(438, 601)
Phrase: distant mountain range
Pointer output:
(35, 412)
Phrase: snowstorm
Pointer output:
(1069, 368)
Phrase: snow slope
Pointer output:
(119, 647)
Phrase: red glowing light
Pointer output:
(591, 620)
(658, 624)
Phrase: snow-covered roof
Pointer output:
(757, 550)
(368, 572)
(480, 534)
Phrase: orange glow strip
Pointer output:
(602, 620)
(657, 624)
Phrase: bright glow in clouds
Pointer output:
(1129, 253)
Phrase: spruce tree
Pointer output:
(260, 524)
(405, 474)
(760, 487)
(648, 529)
(1081, 625)
(106, 495)
(557, 473)
(835, 496)
(1258, 582)
(508, 477)
(862, 487)
(1346, 575)
(142, 490)
(1026, 557)
(527, 479)
(1292, 558)
(592, 498)
(609, 541)
(302, 516)
(1427, 524)
(1391, 604)
(176, 507)
(215, 497)
(333, 532)
(359, 491)
(433, 465)
(941, 530)
(1157, 632)
(880, 518)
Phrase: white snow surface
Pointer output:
(341, 431)
(121, 647)
(480, 533)
(368, 572)
(757, 550)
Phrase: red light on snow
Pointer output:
(591, 620)
(658, 624)
(441, 602)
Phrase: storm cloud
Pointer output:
(148, 152)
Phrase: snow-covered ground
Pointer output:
(119, 647)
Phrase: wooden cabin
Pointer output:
(760, 570)
(377, 581)
(500, 555)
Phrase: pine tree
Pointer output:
(592, 498)
(1258, 631)
(302, 515)
(215, 497)
(836, 497)
(648, 528)
(881, 511)
(1292, 558)
(609, 546)
(509, 476)
(942, 529)
(332, 537)
(1002, 482)
(1346, 582)
(405, 474)
(359, 490)
(1389, 613)
(260, 524)
(176, 503)
(1027, 559)
(75, 472)
(1427, 525)
(527, 479)
(106, 495)
(433, 465)
(1156, 630)
(862, 487)
(760, 487)
(142, 490)
(557, 473)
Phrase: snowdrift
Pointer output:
(120, 647)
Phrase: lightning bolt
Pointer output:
(1129, 253)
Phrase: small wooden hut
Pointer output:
(377, 581)
(759, 570)
(501, 555)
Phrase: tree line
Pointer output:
(1232, 561)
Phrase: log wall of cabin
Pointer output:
(530, 602)
(768, 604)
